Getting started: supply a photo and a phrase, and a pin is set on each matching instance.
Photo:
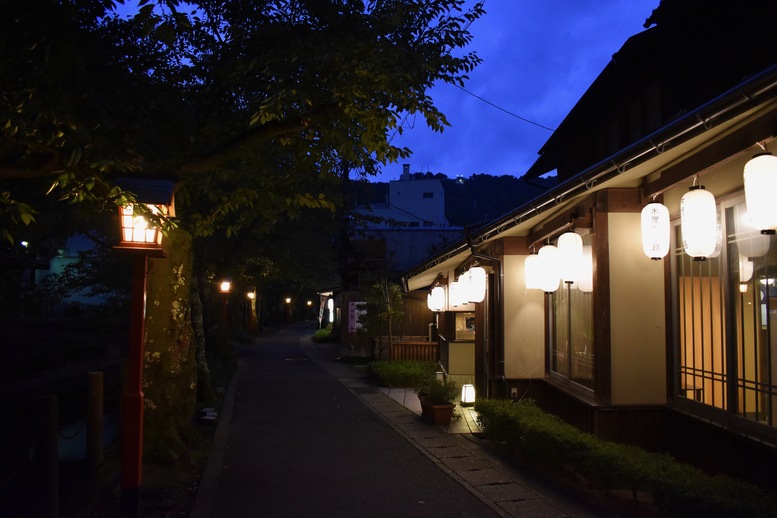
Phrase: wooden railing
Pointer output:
(422, 351)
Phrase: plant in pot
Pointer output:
(438, 398)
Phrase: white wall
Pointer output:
(524, 323)
(638, 334)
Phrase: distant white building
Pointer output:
(411, 221)
(411, 203)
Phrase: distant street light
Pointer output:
(141, 239)
(225, 288)
(251, 309)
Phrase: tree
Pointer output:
(385, 308)
(252, 105)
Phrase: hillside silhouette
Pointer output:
(475, 200)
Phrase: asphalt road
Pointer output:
(301, 444)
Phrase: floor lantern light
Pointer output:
(467, 394)
(655, 230)
(760, 185)
(698, 218)
(141, 237)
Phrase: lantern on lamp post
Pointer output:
(251, 309)
(141, 237)
(225, 288)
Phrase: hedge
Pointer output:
(677, 489)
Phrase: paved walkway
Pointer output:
(454, 450)
(466, 422)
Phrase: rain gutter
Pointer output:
(747, 94)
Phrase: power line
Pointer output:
(502, 109)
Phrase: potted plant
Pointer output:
(438, 398)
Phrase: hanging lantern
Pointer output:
(532, 272)
(436, 299)
(760, 186)
(454, 294)
(570, 253)
(698, 217)
(585, 281)
(549, 276)
(655, 230)
(477, 284)
(746, 268)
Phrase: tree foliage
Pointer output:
(247, 102)
(254, 106)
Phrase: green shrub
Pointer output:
(322, 335)
(677, 489)
(401, 373)
(437, 392)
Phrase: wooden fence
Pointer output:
(421, 351)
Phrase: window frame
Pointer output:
(731, 410)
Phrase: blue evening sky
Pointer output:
(539, 57)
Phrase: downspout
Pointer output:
(496, 313)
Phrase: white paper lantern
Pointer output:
(436, 299)
(570, 261)
(585, 281)
(655, 230)
(760, 186)
(698, 217)
(477, 284)
(532, 272)
(549, 270)
(455, 294)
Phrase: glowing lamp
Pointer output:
(467, 394)
(436, 299)
(154, 197)
(477, 284)
(760, 186)
(699, 221)
(655, 230)
(570, 256)
(455, 294)
(585, 281)
(549, 270)
(532, 272)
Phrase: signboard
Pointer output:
(356, 312)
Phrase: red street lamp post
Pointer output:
(141, 240)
